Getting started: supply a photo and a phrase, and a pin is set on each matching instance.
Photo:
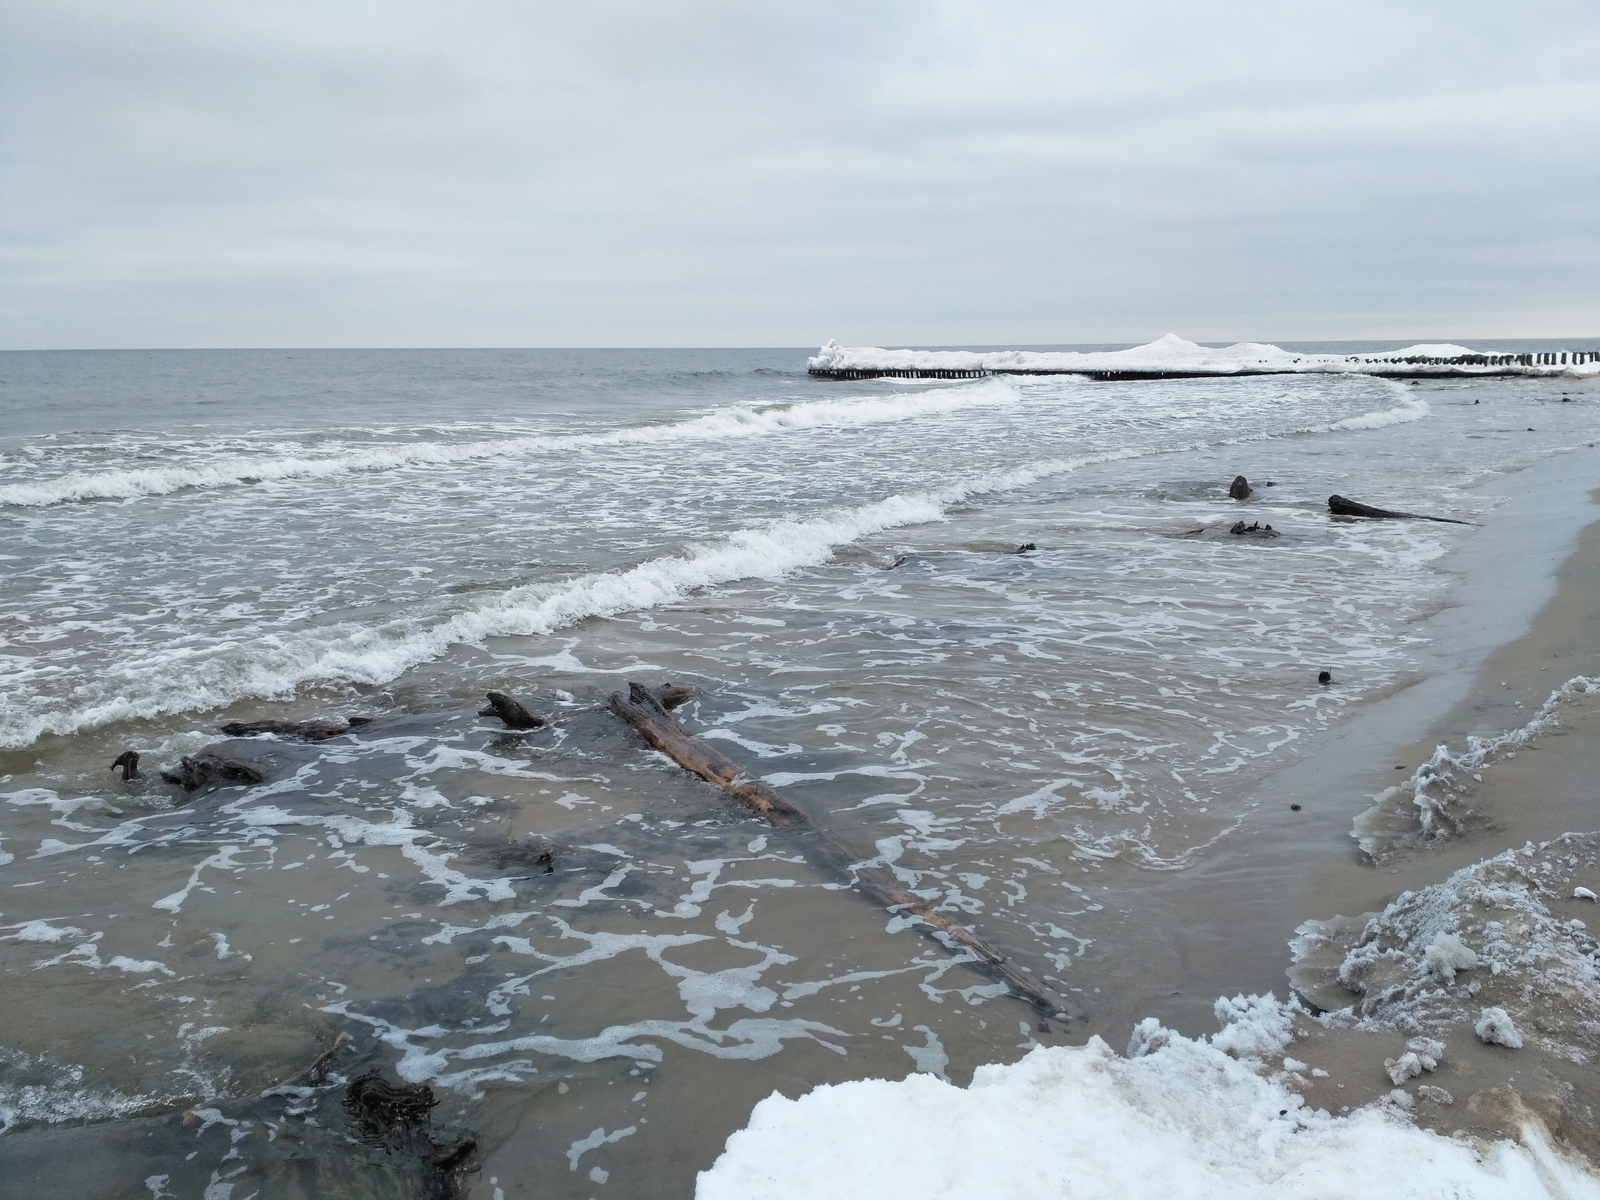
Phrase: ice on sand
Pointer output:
(1183, 1119)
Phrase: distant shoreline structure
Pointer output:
(1172, 357)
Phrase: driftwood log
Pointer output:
(310, 731)
(196, 771)
(128, 763)
(1340, 507)
(511, 712)
(647, 716)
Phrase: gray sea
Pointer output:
(597, 962)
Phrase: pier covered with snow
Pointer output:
(1172, 357)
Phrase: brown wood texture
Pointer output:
(644, 713)
(1341, 507)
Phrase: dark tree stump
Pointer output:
(1340, 507)
(512, 713)
(128, 763)
(1240, 488)
(644, 713)
(193, 772)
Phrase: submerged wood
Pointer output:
(672, 695)
(650, 720)
(195, 771)
(128, 763)
(1340, 507)
(311, 731)
(511, 712)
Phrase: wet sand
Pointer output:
(1532, 792)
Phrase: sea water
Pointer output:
(598, 962)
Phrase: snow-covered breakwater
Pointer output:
(1173, 358)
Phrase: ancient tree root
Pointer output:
(1256, 527)
(1340, 507)
(512, 713)
(311, 731)
(644, 713)
(382, 1106)
(128, 763)
(206, 767)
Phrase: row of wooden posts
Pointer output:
(1508, 362)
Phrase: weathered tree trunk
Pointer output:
(646, 715)
(311, 731)
(512, 713)
(1340, 507)
(203, 768)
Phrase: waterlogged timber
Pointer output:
(1172, 357)
(1339, 506)
(649, 718)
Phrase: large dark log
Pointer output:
(1239, 489)
(512, 713)
(646, 716)
(203, 768)
(311, 731)
(1340, 507)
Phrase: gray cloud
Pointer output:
(712, 173)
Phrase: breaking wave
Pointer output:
(725, 423)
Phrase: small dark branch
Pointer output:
(1024, 548)
(1340, 507)
(512, 713)
(1240, 488)
(317, 1072)
(128, 763)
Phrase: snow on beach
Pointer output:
(1173, 355)
(1179, 1117)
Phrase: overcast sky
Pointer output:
(484, 173)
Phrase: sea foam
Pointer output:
(725, 423)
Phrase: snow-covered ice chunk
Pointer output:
(1447, 955)
(1253, 1026)
(1583, 893)
(1421, 1054)
(1184, 1120)
(1494, 1025)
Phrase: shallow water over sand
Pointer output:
(1028, 740)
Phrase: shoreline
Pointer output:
(1532, 792)
(1230, 919)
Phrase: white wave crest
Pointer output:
(733, 422)
(276, 667)
(1413, 408)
